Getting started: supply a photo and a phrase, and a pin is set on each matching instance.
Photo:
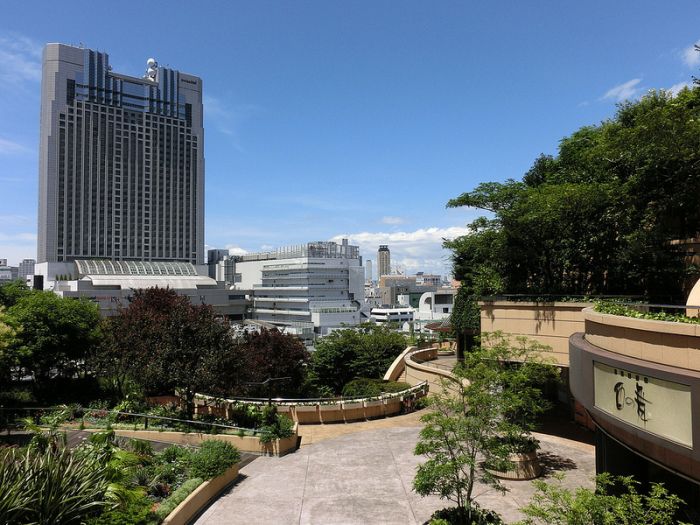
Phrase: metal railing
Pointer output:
(36, 414)
(420, 388)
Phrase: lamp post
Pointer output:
(269, 382)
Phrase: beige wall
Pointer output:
(198, 499)
(548, 323)
(662, 342)
(279, 447)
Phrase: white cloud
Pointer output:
(623, 91)
(227, 118)
(16, 220)
(393, 220)
(676, 88)
(20, 59)
(8, 147)
(690, 56)
(411, 250)
(235, 250)
(18, 237)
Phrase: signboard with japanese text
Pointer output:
(655, 405)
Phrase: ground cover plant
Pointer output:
(101, 481)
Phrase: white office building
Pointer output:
(437, 305)
(306, 289)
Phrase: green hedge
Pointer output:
(628, 311)
(368, 387)
(213, 458)
(177, 497)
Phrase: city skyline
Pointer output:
(325, 122)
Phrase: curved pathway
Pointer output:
(364, 477)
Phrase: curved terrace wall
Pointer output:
(662, 342)
(639, 380)
(315, 411)
(549, 323)
(417, 371)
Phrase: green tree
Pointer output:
(366, 351)
(163, 342)
(615, 500)
(478, 419)
(9, 357)
(270, 353)
(55, 334)
(13, 291)
(598, 217)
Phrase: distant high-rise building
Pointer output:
(26, 267)
(214, 257)
(383, 260)
(3, 262)
(368, 271)
(121, 164)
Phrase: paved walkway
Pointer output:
(364, 476)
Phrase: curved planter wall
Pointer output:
(418, 372)
(640, 382)
(329, 412)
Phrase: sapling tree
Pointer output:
(467, 435)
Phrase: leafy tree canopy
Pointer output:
(54, 334)
(366, 351)
(163, 342)
(270, 353)
(598, 217)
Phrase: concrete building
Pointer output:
(214, 257)
(5, 273)
(110, 284)
(26, 268)
(383, 261)
(437, 305)
(368, 272)
(428, 279)
(397, 316)
(3, 262)
(306, 289)
(121, 163)
(121, 183)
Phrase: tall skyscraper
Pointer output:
(368, 271)
(121, 166)
(383, 261)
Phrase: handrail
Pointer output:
(132, 414)
(315, 400)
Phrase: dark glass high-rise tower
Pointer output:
(121, 166)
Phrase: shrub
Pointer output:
(473, 515)
(367, 387)
(141, 448)
(283, 427)
(177, 497)
(175, 453)
(50, 486)
(213, 458)
(136, 511)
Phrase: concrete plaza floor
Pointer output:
(364, 477)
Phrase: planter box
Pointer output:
(305, 408)
(200, 497)
(374, 403)
(525, 466)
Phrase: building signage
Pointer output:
(654, 405)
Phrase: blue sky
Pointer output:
(358, 118)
